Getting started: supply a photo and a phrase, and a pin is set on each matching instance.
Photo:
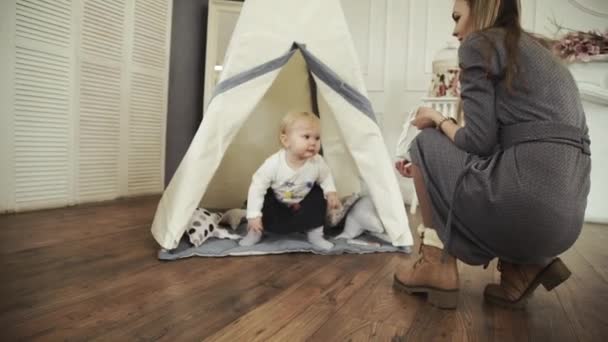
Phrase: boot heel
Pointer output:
(443, 299)
(555, 274)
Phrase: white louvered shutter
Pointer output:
(41, 112)
(101, 67)
(147, 105)
(83, 97)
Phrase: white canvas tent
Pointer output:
(284, 55)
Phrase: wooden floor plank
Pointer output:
(302, 326)
(113, 309)
(592, 246)
(91, 273)
(474, 319)
(380, 302)
(305, 324)
(326, 285)
(202, 313)
(343, 327)
(584, 297)
(547, 319)
(509, 325)
(37, 229)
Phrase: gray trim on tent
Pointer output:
(324, 73)
(318, 68)
(252, 73)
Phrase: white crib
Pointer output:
(447, 106)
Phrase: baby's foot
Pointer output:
(251, 238)
(321, 243)
(315, 237)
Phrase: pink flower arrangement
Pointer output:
(445, 84)
(581, 46)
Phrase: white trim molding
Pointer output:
(592, 80)
(593, 94)
(591, 7)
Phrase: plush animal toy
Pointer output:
(361, 218)
(335, 216)
(360, 212)
(205, 224)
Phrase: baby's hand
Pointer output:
(405, 168)
(255, 224)
(333, 202)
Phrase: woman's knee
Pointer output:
(427, 137)
(426, 134)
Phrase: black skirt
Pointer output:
(306, 215)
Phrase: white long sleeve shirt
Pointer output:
(289, 185)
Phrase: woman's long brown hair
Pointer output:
(505, 15)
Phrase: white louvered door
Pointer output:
(148, 100)
(84, 88)
(101, 66)
(42, 130)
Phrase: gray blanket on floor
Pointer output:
(277, 244)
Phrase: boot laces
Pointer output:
(419, 262)
(422, 259)
(512, 278)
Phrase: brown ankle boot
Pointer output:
(439, 280)
(518, 282)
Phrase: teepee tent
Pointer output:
(284, 55)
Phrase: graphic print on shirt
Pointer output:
(288, 194)
(294, 191)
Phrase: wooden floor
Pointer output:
(91, 273)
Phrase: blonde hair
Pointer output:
(505, 15)
(488, 13)
(292, 117)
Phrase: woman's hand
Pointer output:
(404, 168)
(255, 224)
(332, 201)
(426, 117)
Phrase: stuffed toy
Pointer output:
(333, 217)
(363, 217)
(205, 224)
(358, 212)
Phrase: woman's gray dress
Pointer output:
(516, 194)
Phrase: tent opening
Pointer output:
(294, 89)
